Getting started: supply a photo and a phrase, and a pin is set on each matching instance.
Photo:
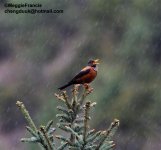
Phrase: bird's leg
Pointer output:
(88, 88)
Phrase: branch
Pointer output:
(86, 118)
(44, 136)
(106, 133)
(26, 114)
(49, 144)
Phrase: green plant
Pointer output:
(73, 119)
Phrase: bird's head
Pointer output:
(93, 62)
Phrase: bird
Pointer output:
(85, 76)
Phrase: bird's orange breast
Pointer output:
(88, 77)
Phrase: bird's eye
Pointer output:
(90, 62)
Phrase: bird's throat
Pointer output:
(95, 68)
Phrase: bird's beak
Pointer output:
(96, 61)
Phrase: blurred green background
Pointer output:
(39, 53)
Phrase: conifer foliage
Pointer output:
(74, 117)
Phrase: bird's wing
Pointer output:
(83, 72)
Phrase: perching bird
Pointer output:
(85, 76)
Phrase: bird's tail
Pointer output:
(66, 85)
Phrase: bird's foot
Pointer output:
(88, 88)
